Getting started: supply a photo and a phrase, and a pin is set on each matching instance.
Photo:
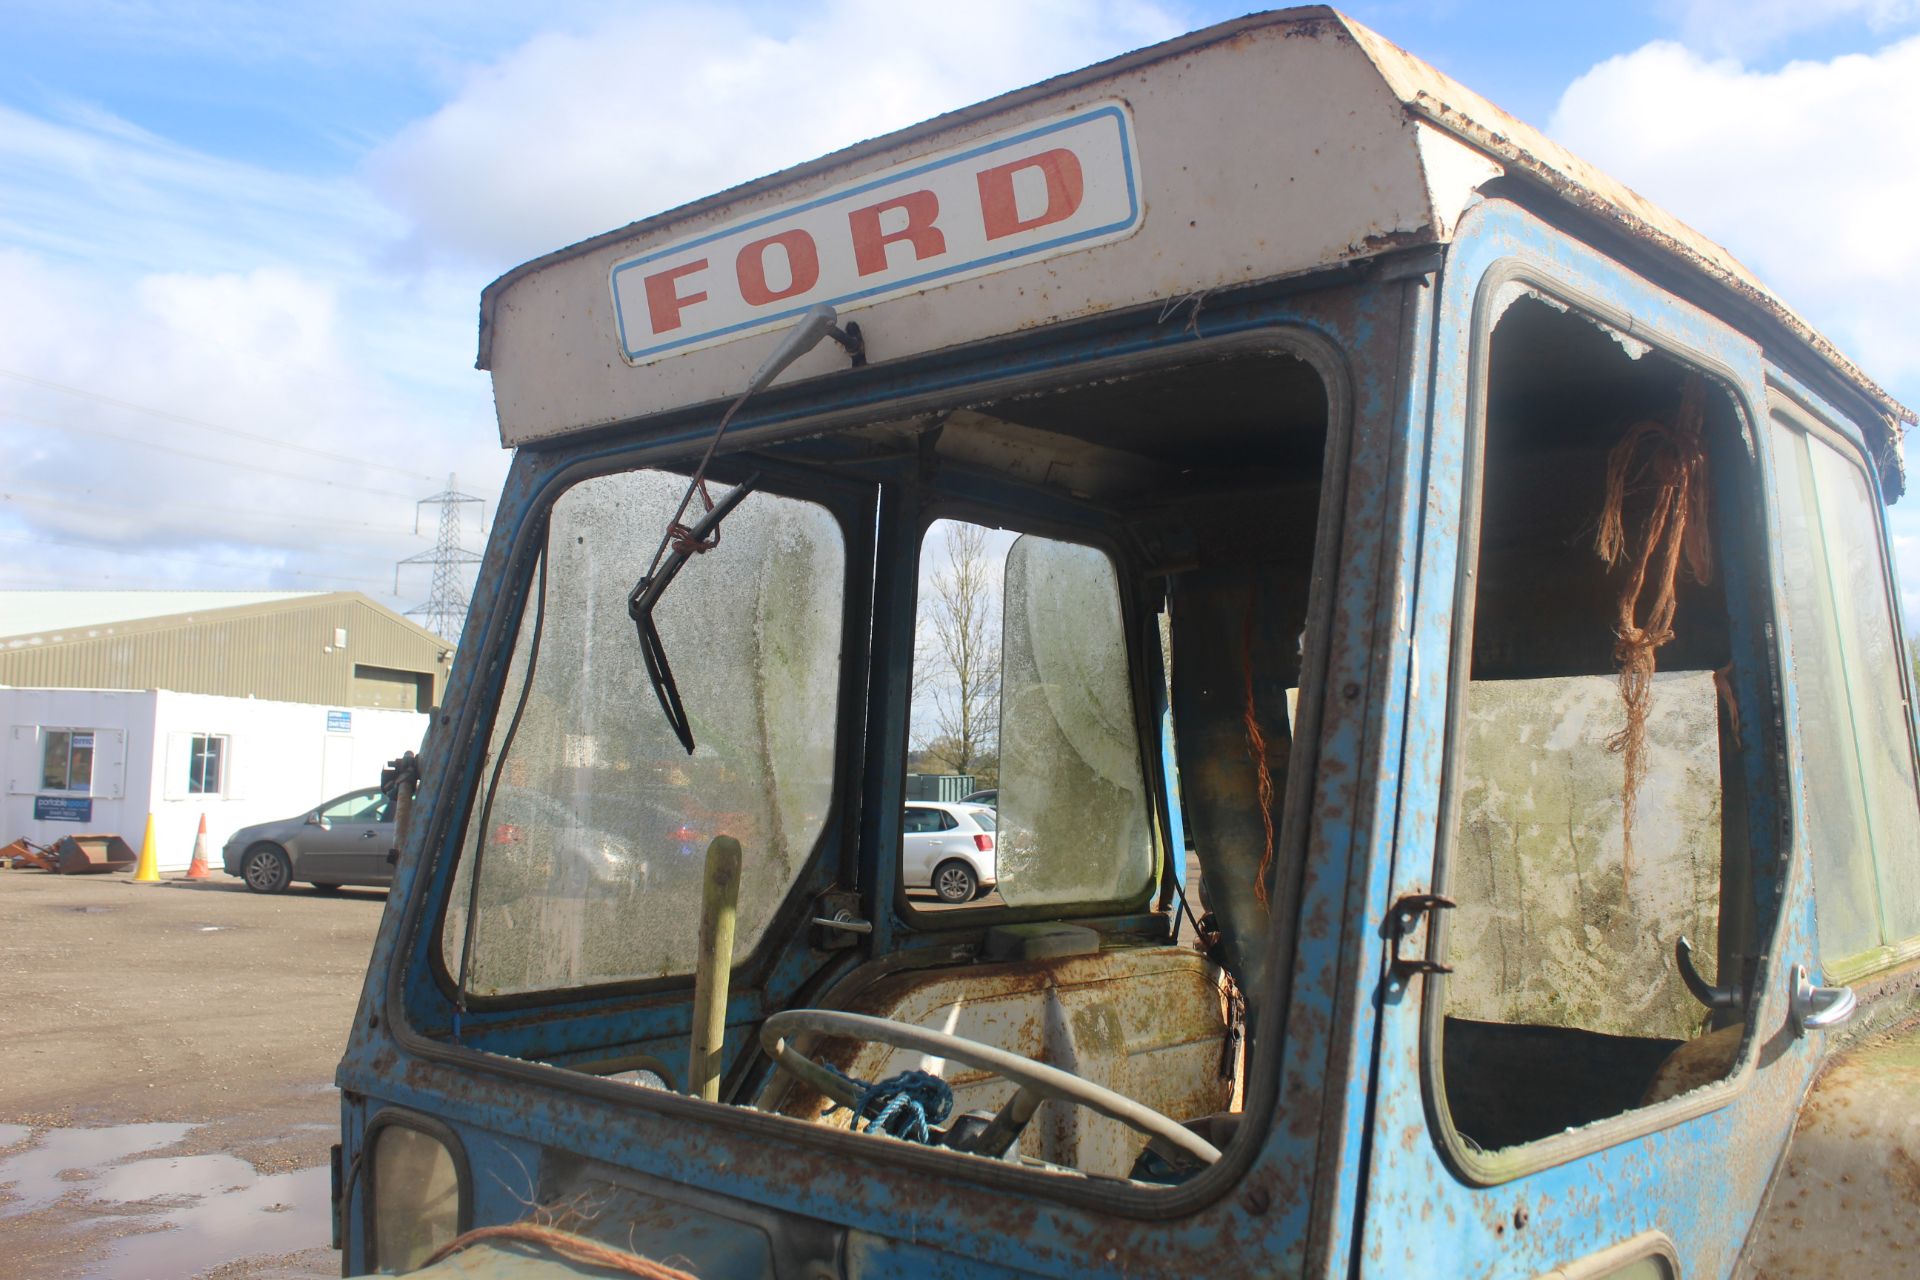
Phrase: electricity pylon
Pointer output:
(445, 609)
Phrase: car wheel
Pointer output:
(954, 882)
(266, 869)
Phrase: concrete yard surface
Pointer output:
(166, 1074)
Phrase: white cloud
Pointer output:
(336, 312)
(1809, 174)
(1746, 27)
(572, 135)
(144, 272)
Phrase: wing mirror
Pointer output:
(315, 820)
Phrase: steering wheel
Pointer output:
(1037, 1082)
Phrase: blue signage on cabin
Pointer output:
(339, 722)
(63, 808)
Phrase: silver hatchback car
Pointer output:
(948, 848)
(344, 841)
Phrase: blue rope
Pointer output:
(905, 1106)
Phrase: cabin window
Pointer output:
(206, 764)
(1856, 756)
(590, 825)
(1587, 837)
(66, 760)
(1022, 686)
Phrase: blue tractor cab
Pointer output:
(1423, 614)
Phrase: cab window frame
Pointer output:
(413, 973)
(834, 849)
(1102, 538)
(1502, 284)
(1791, 411)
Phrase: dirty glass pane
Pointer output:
(1073, 803)
(53, 765)
(80, 763)
(1867, 637)
(1551, 930)
(416, 1201)
(1021, 685)
(1845, 898)
(1575, 879)
(595, 842)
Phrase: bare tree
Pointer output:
(964, 649)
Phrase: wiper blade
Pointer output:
(816, 322)
(646, 594)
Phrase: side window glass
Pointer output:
(1857, 756)
(591, 828)
(357, 807)
(1022, 682)
(1595, 780)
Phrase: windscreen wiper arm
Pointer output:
(646, 594)
(815, 323)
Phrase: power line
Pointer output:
(212, 426)
(202, 517)
(181, 557)
(445, 610)
(301, 476)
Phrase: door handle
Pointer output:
(368, 835)
(1818, 1008)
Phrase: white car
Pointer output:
(948, 848)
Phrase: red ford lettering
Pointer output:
(1065, 187)
(803, 268)
(664, 299)
(870, 242)
(1043, 188)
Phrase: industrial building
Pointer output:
(237, 707)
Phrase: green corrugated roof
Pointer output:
(26, 613)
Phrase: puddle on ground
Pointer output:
(187, 1214)
(12, 1135)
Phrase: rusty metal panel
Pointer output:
(1340, 145)
(1329, 170)
(1695, 1170)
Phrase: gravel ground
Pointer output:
(194, 1003)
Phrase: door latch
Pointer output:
(1817, 1008)
(1402, 921)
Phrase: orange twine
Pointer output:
(1672, 460)
(1257, 745)
(567, 1245)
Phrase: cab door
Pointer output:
(1586, 1053)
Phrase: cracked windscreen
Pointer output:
(591, 831)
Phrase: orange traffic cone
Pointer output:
(197, 869)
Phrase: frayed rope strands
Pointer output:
(1671, 459)
(1257, 748)
(572, 1247)
(905, 1106)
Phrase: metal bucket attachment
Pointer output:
(91, 854)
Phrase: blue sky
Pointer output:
(243, 244)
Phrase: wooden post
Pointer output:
(714, 967)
